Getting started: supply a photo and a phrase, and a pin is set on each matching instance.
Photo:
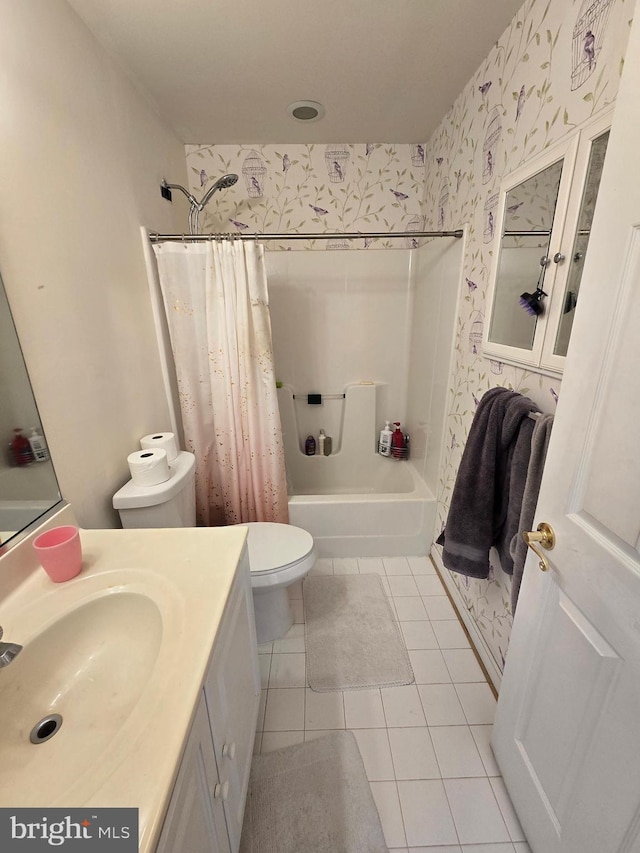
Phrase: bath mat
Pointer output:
(352, 639)
(312, 798)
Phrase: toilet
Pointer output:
(279, 554)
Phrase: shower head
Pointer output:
(222, 183)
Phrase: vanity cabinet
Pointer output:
(207, 805)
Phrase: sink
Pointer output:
(91, 666)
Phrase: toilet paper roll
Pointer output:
(149, 467)
(161, 440)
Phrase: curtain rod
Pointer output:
(348, 235)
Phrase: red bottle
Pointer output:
(21, 452)
(397, 442)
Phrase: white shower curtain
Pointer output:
(215, 298)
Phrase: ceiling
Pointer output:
(224, 72)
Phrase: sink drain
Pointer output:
(46, 728)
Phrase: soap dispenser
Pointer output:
(384, 445)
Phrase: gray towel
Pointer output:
(479, 514)
(539, 444)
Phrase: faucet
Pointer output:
(8, 651)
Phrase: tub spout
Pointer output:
(8, 651)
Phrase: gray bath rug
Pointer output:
(312, 798)
(352, 639)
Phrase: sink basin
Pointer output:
(91, 666)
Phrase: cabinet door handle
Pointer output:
(221, 791)
(229, 751)
(558, 258)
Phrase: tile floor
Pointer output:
(426, 746)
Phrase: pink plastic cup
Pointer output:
(59, 552)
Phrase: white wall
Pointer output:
(82, 159)
(340, 317)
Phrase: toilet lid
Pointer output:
(275, 546)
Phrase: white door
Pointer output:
(567, 731)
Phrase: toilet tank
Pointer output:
(169, 504)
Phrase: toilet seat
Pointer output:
(279, 554)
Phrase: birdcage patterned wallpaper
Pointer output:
(311, 188)
(526, 89)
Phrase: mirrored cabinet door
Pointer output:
(544, 221)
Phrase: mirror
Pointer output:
(28, 484)
(528, 218)
(545, 211)
(580, 243)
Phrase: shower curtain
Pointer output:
(216, 302)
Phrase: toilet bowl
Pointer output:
(279, 554)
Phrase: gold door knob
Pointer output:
(544, 536)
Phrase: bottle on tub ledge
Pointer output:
(310, 446)
(384, 445)
(397, 441)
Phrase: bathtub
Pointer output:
(385, 510)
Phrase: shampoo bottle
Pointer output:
(384, 445)
(38, 446)
(397, 442)
(321, 440)
(21, 452)
(310, 446)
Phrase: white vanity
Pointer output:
(150, 658)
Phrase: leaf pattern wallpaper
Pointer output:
(558, 64)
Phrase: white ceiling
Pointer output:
(224, 72)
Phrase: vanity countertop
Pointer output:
(146, 607)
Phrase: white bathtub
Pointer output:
(387, 510)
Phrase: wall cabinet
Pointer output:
(544, 222)
(207, 805)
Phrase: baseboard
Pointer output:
(482, 649)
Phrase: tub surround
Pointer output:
(185, 576)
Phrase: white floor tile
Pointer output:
(363, 709)
(463, 665)
(421, 566)
(506, 807)
(323, 566)
(371, 566)
(522, 847)
(385, 586)
(323, 710)
(410, 609)
(402, 706)
(488, 848)
(475, 811)
(287, 671)
(426, 814)
(312, 735)
(439, 607)
(450, 635)
(261, 709)
(478, 703)
(376, 754)
(441, 705)
(419, 635)
(482, 737)
(437, 848)
(413, 754)
(430, 585)
(396, 565)
(278, 740)
(265, 649)
(295, 590)
(429, 666)
(345, 566)
(264, 662)
(402, 585)
(292, 642)
(456, 751)
(385, 795)
(297, 607)
(285, 710)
